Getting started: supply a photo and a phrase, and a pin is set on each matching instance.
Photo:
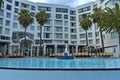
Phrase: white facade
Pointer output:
(111, 40)
(62, 27)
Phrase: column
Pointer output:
(37, 50)
(55, 49)
(22, 51)
(5, 49)
(31, 51)
(76, 48)
(9, 50)
(44, 50)
(19, 48)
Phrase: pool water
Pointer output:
(58, 63)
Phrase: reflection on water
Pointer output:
(58, 63)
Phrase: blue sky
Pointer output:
(72, 3)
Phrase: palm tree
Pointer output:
(1, 1)
(86, 23)
(42, 18)
(111, 20)
(25, 19)
(97, 19)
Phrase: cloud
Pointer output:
(72, 3)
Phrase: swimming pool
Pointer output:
(53, 63)
(56, 69)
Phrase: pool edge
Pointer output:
(62, 69)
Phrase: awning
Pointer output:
(27, 38)
(4, 42)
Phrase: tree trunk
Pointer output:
(102, 42)
(0, 6)
(41, 40)
(25, 34)
(87, 42)
(119, 38)
(96, 51)
(25, 41)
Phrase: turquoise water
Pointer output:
(57, 63)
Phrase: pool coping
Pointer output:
(62, 69)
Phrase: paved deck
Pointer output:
(6, 74)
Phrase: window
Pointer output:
(33, 14)
(73, 30)
(97, 34)
(1, 21)
(9, 1)
(81, 30)
(58, 29)
(97, 41)
(73, 42)
(15, 25)
(95, 5)
(7, 31)
(7, 23)
(47, 41)
(9, 7)
(15, 17)
(73, 36)
(62, 10)
(58, 16)
(48, 22)
(31, 36)
(23, 5)
(32, 28)
(66, 23)
(65, 16)
(16, 10)
(113, 35)
(32, 7)
(58, 22)
(73, 12)
(82, 42)
(59, 36)
(72, 18)
(66, 29)
(44, 8)
(37, 42)
(1, 12)
(38, 34)
(8, 15)
(90, 41)
(16, 3)
(66, 36)
(65, 42)
(80, 17)
(88, 8)
(47, 28)
(72, 24)
(47, 35)
(82, 35)
(90, 34)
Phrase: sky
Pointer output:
(72, 3)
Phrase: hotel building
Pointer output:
(62, 28)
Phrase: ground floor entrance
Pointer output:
(4, 47)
